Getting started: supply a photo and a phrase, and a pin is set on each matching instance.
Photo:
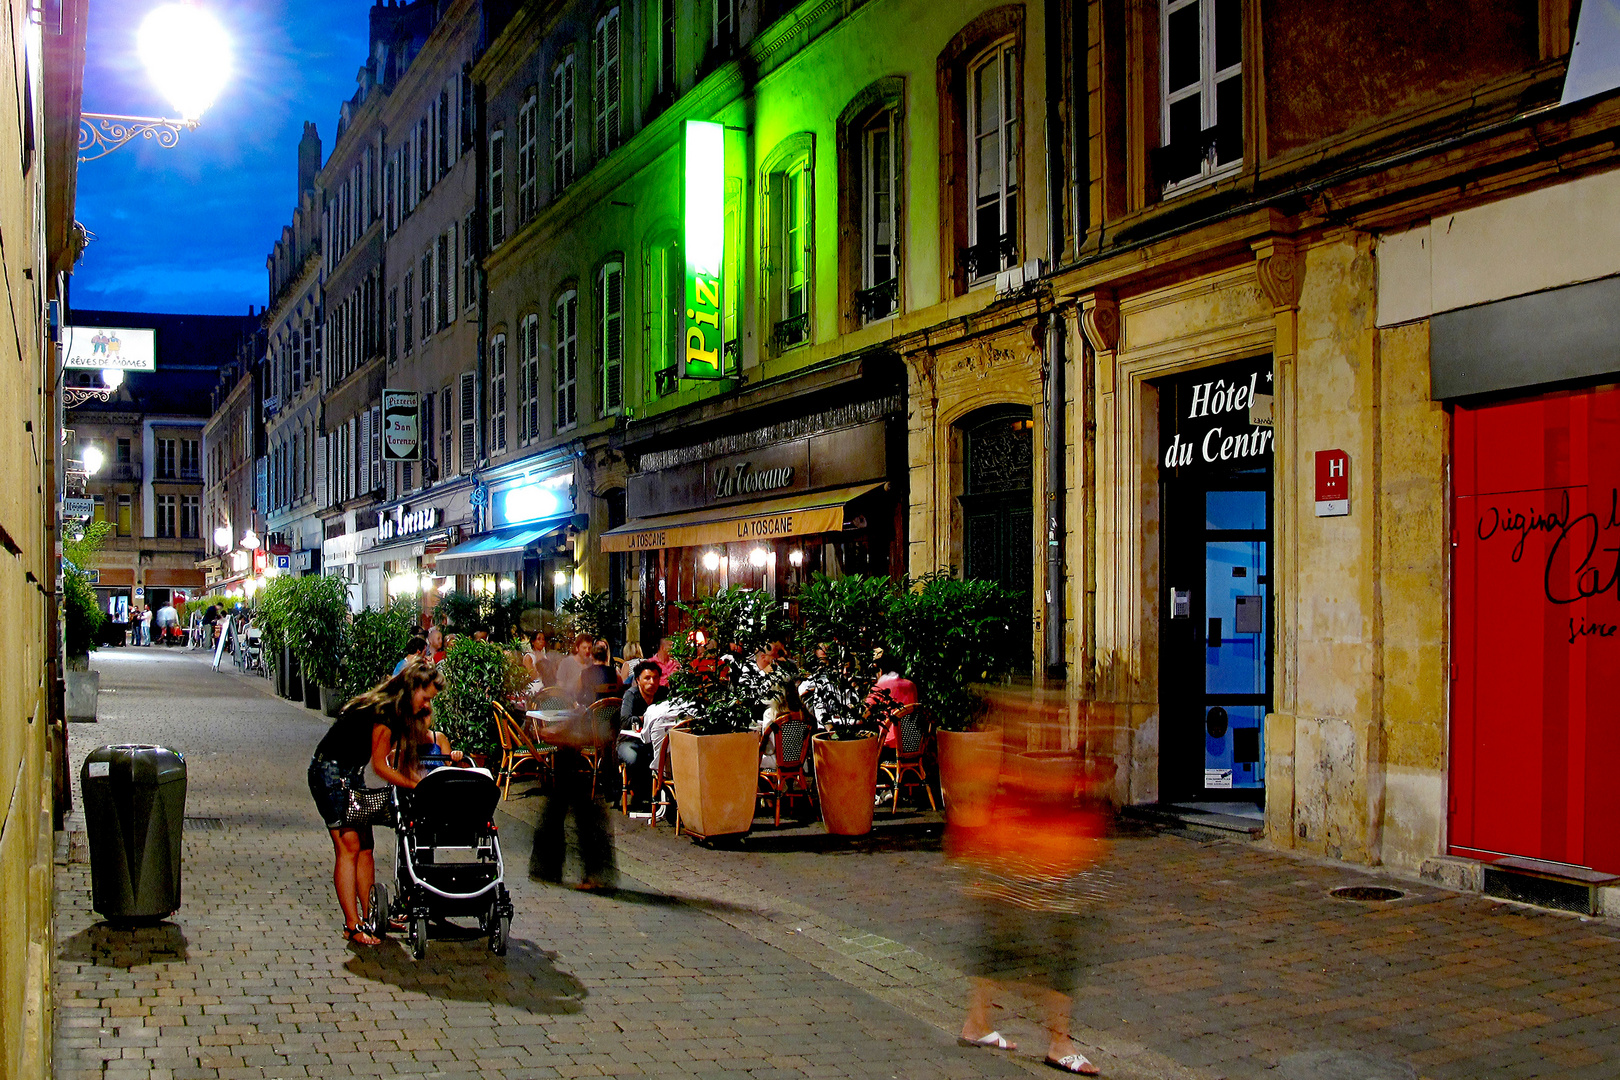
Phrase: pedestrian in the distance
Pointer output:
(210, 621)
(571, 793)
(167, 623)
(387, 727)
(146, 625)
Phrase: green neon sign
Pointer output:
(705, 208)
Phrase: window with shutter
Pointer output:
(430, 447)
(447, 427)
(423, 147)
(665, 299)
(469, 263)
(469, 421)
(562, 125)
(994, 89)
(363, 463)
(441, 282)
(427, 293)
(608, 90)
(529, 343)
(410, 311)
(528, 163)
(790, 277)
(320, 472)
(610, 336)
(497, 395)
(376, 449)
(393, 325)
(444, 132)
(565, 361)
(497, 187)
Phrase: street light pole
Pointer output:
(102, 133)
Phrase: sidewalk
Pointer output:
(791, 954)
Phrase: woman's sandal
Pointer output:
(1073, 1063)
(359, 935)
(993, 1041)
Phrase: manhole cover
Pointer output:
(1367, 894)
(205, 824)
(1342, 1065)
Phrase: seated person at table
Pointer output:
(572, 666)
(416, 646)
(646, 690)
(599, 680)
(899, 688)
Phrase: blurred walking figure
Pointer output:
(1026, 875)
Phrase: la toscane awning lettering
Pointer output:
(803, 515)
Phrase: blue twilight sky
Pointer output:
(187, 229)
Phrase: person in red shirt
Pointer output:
(901, 689)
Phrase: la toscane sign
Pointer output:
(742, 479)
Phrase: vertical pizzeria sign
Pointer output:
(705, 213)
(402, 425)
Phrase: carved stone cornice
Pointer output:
(1099, 321)
(1280, 270)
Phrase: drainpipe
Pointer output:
(1056, 659)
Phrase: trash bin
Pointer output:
(134, 811)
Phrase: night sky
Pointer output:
(187, 229)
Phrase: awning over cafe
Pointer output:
(499, 552)
(771, 519)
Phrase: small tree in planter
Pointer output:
(597, 614)
(82, 620)
(953, 634)
(846, 623)
(475, 674)
(716, 759)
(317, 627)
(376, 642)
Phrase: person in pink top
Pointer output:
(666, 663)
(900, 688)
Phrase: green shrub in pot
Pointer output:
(82, 617)
(847, 623)
(317, 625)
(953, 633)
(271, 609)
(377, 640)
(727, 629)
(475, 674)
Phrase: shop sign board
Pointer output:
(1218, 419)
(705, 218)
(78, 508)
(404, 521)
(1332, 483)
(102, 347)
(402, 425)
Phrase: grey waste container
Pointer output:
(134, 811)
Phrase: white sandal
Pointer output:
(1073, 1063)
(993, 1041)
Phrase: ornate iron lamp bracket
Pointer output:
(100, 134)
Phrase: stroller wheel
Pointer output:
(499, 927)
(419, 934)
(379, 910)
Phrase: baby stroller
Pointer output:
(447, 862)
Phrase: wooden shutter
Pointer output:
(612, 337)
(469, 421)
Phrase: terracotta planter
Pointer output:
(716, 779)
(969, 771)
(846, 782)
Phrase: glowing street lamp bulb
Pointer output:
(188, 55)
(711, 560)
(796, 557)
(757, 557)
(112, 378)
(222, 536)
(560, 578)
(250, 540)
(94, 459)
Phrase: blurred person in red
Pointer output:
(1027, 850)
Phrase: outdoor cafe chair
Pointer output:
(787, 739)
(603, 714)
(914, 729)
(517, 751)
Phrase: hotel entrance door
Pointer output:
(1216, 613)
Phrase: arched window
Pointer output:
(789, 273)
(608, 82)
(993, 160)
(998, 498)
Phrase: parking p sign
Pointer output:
(283, 564)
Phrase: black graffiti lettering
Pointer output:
(1591, 629)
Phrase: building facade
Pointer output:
(230, 453)
(150, 433)
(1197, 322)
(295, 463)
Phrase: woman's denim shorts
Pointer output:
(328, 782)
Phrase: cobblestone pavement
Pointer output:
(788, 954)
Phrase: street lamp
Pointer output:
(222, 537)
(94, 459)
(188, 55)
(250, 541)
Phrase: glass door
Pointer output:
(1236, 625)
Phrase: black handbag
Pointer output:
(367, 806)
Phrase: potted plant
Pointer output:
(475, 674)
(846, 622)
(317, 627)
(715, 756)
(597, 614)
(82, 620)
(377, 639)
(954, 634)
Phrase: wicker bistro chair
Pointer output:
(517, 751)
(663, 785)
(787, 739)
(552, 699)
(603, 713)
(915, 728)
